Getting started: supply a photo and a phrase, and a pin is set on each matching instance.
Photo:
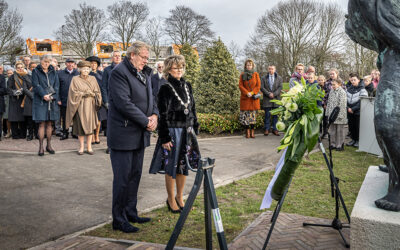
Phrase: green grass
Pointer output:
(239, 202)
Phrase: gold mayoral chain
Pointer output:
(186, 105)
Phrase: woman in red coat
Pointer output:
(249, 85)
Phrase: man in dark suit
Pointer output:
(157, 79)
(3, 92)
(271, 87)
(65, 77)
(132, 115)
(116, 59)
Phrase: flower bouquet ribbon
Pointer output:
(299, 117)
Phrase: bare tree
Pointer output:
(329, 36)
(82, 28)
(289, 27)
(154, 34)
(298, 31)
(186, 26)
(126, 18)
(11, 42)
(236, 52)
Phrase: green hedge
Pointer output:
(216, 124)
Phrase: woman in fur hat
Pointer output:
(84, 99)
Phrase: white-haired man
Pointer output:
(132, 115)
(157, 79)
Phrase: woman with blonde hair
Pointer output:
(249, 85)
(84, 99)
(177, 129)
(45, 109)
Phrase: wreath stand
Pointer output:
(204, 172)
(336, 223)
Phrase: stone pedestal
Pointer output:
(371, 227)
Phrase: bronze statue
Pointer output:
(375, 24)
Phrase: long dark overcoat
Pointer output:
(40, 108)
(3, 92)
(131, 102)
(15, 111)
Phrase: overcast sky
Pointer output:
(231, 20)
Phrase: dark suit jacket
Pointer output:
(106, 77)
(131, 102)
(266, 89)
(65, 79)
(156, 83)
(3, 92)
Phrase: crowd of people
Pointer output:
(39, 99)
(338, 93)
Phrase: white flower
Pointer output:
(296, 89)
(292, 107)
(287, 115)
(280, 126)
(285, 100)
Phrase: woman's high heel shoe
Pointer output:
(171, 210)
(177, 203)
(41, 152)
(51, 151)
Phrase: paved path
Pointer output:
(44, 198)
(289, 233)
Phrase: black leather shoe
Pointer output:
(64, 136)
(341, 148)
(137, 219)
(41, 152)
(108, 151)
(173, 211)
(29, 138)
(351, 143)
(125, 227)
(50, 151)
(331, 147)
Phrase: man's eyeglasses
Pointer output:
(143, 58)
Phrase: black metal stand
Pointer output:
(205, 168)
(276, 214)
(336, 223)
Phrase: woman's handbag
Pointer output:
(257, 96)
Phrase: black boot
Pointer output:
(64, 136)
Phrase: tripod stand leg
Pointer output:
(344, 240)
(276, 214)
(333, 180)
(186, 209)
(215, 210)
(207, 216)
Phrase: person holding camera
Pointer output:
(16, 94)
(249, 85)
(45, 109)
(84, 99)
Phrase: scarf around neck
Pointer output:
(247, 75)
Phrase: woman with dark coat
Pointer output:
(3, 93)
(177, 129)
(102, 113)
(16, 96)
(45, 109)
(249, 85)
(27, 105)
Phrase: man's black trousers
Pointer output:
(127, 168)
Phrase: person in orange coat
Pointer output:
(249, 85)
